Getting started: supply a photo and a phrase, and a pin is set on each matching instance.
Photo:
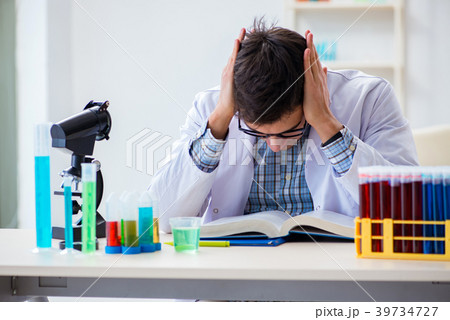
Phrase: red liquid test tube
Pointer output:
(385, 196)
(406, 207)
(386, 211)
(417, 212)
(396, 205)
(364, 199)
(375, 206)
(112, 218)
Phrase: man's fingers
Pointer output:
(237, 44)
(316, 65)
(307, 66)
(242, 34)
(324, 78)
(312, 61)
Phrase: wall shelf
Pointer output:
(309, 5)
(360, 64)
(387, 24)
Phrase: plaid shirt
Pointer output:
(279, 177)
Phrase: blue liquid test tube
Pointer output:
(438, 208)
(447, 194)
(68, 230)
(427, 208)
(146, 223)
(42, 185)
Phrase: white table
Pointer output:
(304, 271)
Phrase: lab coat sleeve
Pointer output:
(387, 140)
(181, 188)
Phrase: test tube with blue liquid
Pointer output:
(42, 186)
(89, 206)
(427, 208)
(68, 211)
(438, 208)
(146, 223)
(447, 194)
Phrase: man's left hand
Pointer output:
(316, 99)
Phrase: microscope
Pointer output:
(77, 134)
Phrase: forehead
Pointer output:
(286, 122)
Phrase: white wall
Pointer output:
(427, 62)
(183, 45)
(32, 96)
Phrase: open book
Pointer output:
(278, 224)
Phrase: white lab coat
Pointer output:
(365, 104)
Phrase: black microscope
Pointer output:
(78, 134)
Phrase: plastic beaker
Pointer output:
(186, 233)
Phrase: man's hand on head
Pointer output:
(220, 118)
(316, 99)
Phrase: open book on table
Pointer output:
(275, 224)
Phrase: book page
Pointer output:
(268, 223)
(332, 222)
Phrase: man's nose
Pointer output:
(274, 144)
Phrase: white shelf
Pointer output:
(341, 6)
(297, 12)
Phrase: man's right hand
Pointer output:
(220, 118)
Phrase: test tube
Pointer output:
(68, 230)
(406, 207)
(427, 208)
(146, 223)
(156, 240)
(385, 197)
(375, 206)
(112, 219)
(385, 193)
(438, 208)
(447, 194)
(122, 200)
(364, 198)
(417, 213)
(396, 206)
(42, 185)
(130, 216)
(89, 206)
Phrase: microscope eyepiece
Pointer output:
(79, 132)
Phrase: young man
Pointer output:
(281, 133)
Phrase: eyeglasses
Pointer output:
(285, 134)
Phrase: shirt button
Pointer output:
(352, 148)
(288, 177)
(215, 210)
(317, 208)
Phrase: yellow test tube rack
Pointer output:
(364, 238)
